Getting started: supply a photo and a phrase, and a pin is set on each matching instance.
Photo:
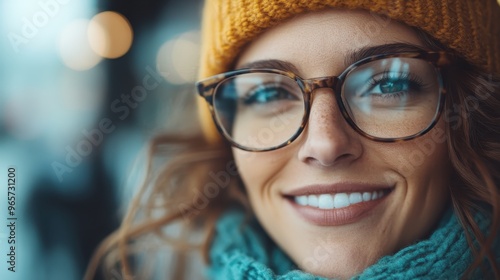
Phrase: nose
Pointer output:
(328, 138)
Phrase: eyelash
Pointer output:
(249, 97)
(414, 81)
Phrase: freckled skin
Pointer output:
(329, 151)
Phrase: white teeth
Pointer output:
(313, 200)
(301, 200)
(355, 198)
(338, 200)
(341, 200)
(325, 201)
(367, 196)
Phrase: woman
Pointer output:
(361, 141)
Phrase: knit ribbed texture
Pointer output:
(244, 251)
(470, 27)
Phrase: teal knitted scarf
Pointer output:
(242, 250)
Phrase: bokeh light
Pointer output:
(74, 47)
(177, 60)
(64, 64)
(110, 34)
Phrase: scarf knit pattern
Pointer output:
(242, 250)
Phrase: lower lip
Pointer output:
(337, 217)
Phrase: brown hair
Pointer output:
(180, 188)
(473, 132)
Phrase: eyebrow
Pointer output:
(368, 51)
(271, 63)
(350, 58)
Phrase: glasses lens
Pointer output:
(259, 110)
(392, 97)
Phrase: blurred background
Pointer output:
(84, 84)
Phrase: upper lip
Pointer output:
(337, 188)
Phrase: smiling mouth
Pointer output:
(338, 204)
(338, 200)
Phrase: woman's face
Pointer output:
(403, 187)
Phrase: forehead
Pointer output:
(317, 43)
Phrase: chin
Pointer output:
(338, 260)
(333, 269)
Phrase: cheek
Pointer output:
(426, 172)
(259, 173)
(422, 169)
(425, 158)
(417, 159)
(258, 169)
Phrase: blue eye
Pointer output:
(394, 84)
(267, 93)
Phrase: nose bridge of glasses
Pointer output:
(321, 82)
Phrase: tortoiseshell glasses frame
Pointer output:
(207, 89)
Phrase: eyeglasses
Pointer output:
(386, 98)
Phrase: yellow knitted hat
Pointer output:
(470, 27)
